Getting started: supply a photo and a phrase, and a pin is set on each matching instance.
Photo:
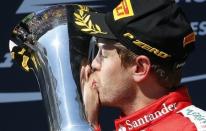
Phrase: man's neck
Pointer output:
(145, 96)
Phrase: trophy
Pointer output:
(47, 43)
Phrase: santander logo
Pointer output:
(150, 117)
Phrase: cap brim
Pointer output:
(92, 23)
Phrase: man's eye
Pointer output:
(104, 54)
(101, 53)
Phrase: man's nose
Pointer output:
(96, 65)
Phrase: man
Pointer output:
(142, 48)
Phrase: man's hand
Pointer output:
(90, 95)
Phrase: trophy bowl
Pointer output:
(47, 43)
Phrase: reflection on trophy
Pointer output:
(47, 43)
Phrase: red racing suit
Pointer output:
(173, 112)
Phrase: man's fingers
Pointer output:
(87, 72)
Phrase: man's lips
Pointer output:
(94, 83)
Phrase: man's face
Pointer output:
(113, 81)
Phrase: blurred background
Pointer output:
(21, 105)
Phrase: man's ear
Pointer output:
(141, 68)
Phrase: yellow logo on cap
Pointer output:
(124, 9)
(146, 47)
(84, 22)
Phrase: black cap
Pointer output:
(156, 28)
